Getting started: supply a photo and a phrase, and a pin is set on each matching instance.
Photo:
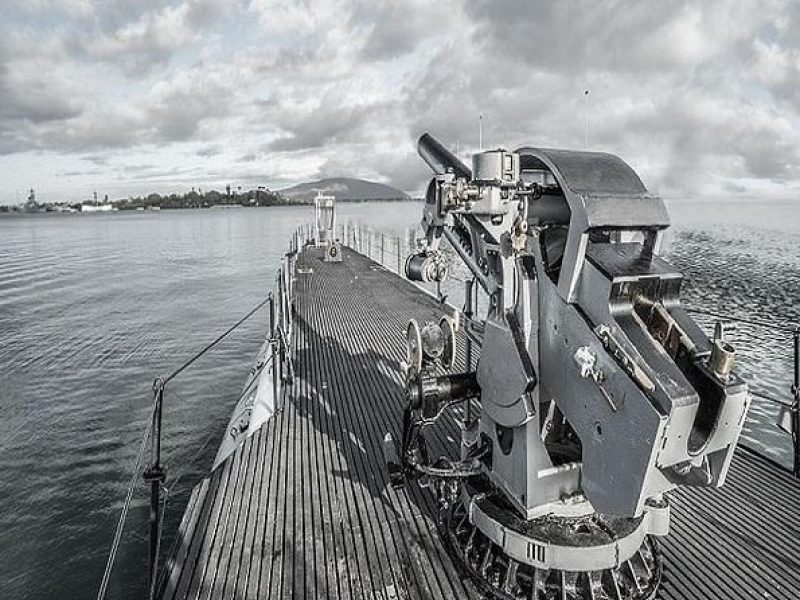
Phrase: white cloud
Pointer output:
(700, 97)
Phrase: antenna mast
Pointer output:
(586, 119)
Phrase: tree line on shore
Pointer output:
(200, 199)
(192, 199)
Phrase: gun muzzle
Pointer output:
(439, 158)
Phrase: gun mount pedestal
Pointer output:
(565, 556)
(598, 393)
(560, 548)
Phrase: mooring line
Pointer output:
(112, 555)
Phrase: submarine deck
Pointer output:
(303, 508)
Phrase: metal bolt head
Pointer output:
(432, 341)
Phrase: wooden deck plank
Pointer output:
(326, 550)
(210, 553)
(276, 517)
(356, 568)
(385, 325)
(189, 571)
(237, 536)
(370, 394)
(247, 572)
(333, 385)
(258, 553)
(304, 508)
(320, 536)
(314, 579)
(224, 541)
(354, 376)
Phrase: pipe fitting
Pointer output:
(722, 357)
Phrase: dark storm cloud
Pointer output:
(208, 151)
(17, 104)
(90, 172)
(179, 108)
(171, 112)
(394, 29)
(97, 159)
(318, 126)
(674, 87)
(139, 37)
(31, 95)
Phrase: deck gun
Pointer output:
(597, 391)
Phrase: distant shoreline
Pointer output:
(6, 211)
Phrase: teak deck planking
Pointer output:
(303, 508)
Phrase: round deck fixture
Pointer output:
(577, 555)
(413, 347)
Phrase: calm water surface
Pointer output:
(93, 307)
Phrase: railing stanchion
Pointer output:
(155, 475)
(796, 402)
(271, 317)
(273, 342)
(398, 256)
(383, 244)
(281, 319)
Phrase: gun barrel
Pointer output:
(439, 158)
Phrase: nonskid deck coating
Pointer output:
(303, 508)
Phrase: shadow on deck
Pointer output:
(303, 508)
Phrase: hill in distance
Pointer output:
(345, 189)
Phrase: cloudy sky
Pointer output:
(132, 96)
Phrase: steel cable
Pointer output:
(219, 338)
(770, 398)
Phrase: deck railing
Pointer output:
(281, 330)
(155, 471)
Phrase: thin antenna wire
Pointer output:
(586, 119)
(480, 131)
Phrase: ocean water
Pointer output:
(94, 307)
(743, 259)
